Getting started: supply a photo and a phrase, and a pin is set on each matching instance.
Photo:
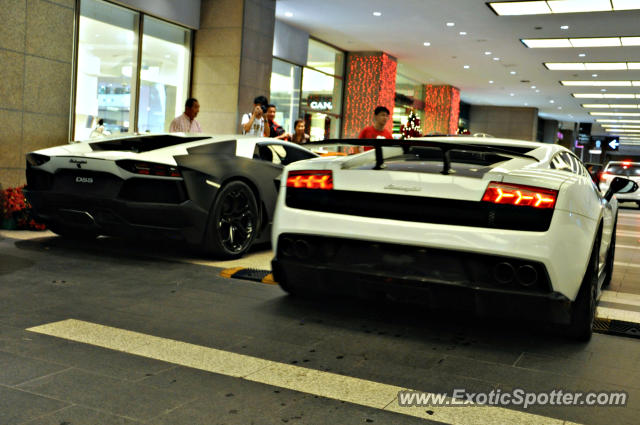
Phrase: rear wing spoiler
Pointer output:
(445, 147)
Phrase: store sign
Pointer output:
(320, 103)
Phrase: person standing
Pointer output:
(377, 130)
(275, 130)
(255, 124)
(186, 123)
(299, 136)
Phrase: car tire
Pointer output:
(72, 233)
(233, 222)
(583, 310)
(610, 258)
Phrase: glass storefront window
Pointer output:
(325, 58)
(321, 104)
(285, 93)
(312, 93)
(164, 75)
(107, 56)
(111, 74)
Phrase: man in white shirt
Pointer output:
(186, 123)
(255, 124)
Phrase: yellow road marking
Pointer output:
(325, 384)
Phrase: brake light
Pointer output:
(310, 179)
(149, 168)
(525, 196)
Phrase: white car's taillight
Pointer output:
(524, 196)
(310, 179)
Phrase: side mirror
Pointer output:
(620, 185)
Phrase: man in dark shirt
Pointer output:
(275, 130)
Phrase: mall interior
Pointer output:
(126, 331)
(459, 66)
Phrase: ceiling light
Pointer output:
(594, 75)
(559, 107)
(426, 43)
(451, 24)
(596, 42)
(487, 53)
(606, 66)
(633, 65)
(620, 83)
(630, 41)
(463, 33)
(490, 81)
(603, 89)
(377, 13)
(620, 114)
(466, 67)
(512, 73)
(612, 120)
(496, 59)
(538, 91)
(533, 87)
(582, 55)
(560, 6)
(620, 125)
(552, 101)
(573, 6)
(520, 8)
(511, 94)
(620, 130)
(288, 14)
(542, 43)
(621, 96)
(624, 4)
(526, 104)
(589, 66)
(564, 27)
(564, 66)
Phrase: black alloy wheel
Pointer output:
(233, 221)
(583, 311)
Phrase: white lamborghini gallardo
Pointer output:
(491, 225)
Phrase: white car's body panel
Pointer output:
(564, 248)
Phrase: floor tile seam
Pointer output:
(49, 375)
(581, 378)
(44, 416)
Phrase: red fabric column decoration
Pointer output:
(370, 82)
(442, 109)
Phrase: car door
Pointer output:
(608, 219)
(275, 156)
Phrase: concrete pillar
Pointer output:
(36, 51)
(370, 82)
(441, 110)
(232, 60)
(504, 121)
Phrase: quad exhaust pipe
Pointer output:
(299, 248)
(525, 275)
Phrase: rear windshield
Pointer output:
(142, 144)
(624, 170)
(431, 160)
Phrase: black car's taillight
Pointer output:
(36, 159)
(148, 168)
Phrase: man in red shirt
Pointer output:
(377, 130)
